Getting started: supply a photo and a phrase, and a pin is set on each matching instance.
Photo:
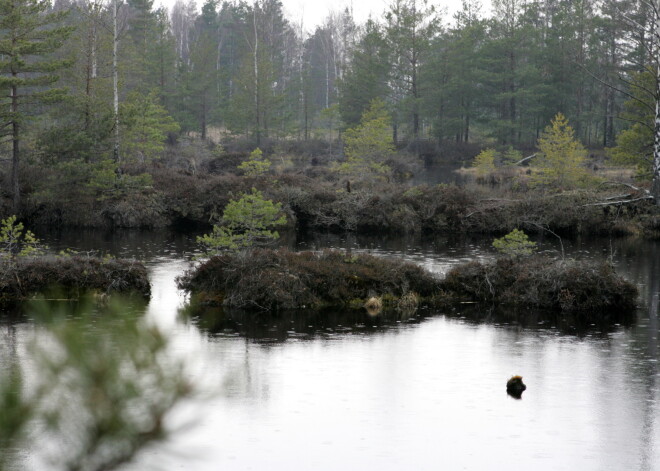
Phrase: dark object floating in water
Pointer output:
(515, 387)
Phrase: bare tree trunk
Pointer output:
(91, 64)
(327, 84)
(15, 156)
(655, 184)
(115, 80)
(203, 124)
(257, 103)
(93, 47)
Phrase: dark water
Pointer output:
(348, 391)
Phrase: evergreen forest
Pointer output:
(100, 94)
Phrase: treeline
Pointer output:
(129, 77)
(248, 69)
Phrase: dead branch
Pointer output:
(544, 227)
(628, 185)
(618, 197)
(525, 159)
(620, 202)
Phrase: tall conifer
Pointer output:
(28, 35)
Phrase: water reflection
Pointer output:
(343, 390)
(298, 325)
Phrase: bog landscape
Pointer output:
(425, 240)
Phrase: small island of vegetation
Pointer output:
(543, 118)
(264, 279)
(26, 269)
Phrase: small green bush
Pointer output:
(101, 388)
(256, 164)
(516, 244)
(484, 163)
(245, 223)
(15, 241)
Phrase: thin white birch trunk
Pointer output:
(655, 183)
(115, 79)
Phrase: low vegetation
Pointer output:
(319, 199)
(72, 276)
(279, 279)
(593, 291)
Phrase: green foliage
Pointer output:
(372, 138)
(100, 180)
(330, 119)
(515, 244)
(362, 167)
(245, 223)
(103, 387)
(485, 161)
(14, 241)
(511, 156)
(410, 28)
(366, 80)
(634, 146)
(562, 159)
(370, 143)
(103, 181)
(79, 129)
(256, 164)
(16, 412)
(146, 125)
(29, 34)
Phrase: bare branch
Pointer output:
(609, 85)
(628, 185)
(525, 159)
(619, 202)
(637, 121)
(638, 86)
(548, 230)
(633, 22)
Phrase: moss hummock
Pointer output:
(23, 277)
(537, 282)
(280, 279)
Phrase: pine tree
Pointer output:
(411, 26)
(452, 77)
(146, 126)
(28, 35)
(367, 76)
(369, 145)
(202, 76)
(561, 164)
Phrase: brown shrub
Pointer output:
(280, 279)
(538, 282)
(73, 275)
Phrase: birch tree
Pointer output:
(655, 185)
(647, 36)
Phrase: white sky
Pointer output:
(314, 12)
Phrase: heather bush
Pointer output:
(593, 290)
(73, 276)
(280, 279)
